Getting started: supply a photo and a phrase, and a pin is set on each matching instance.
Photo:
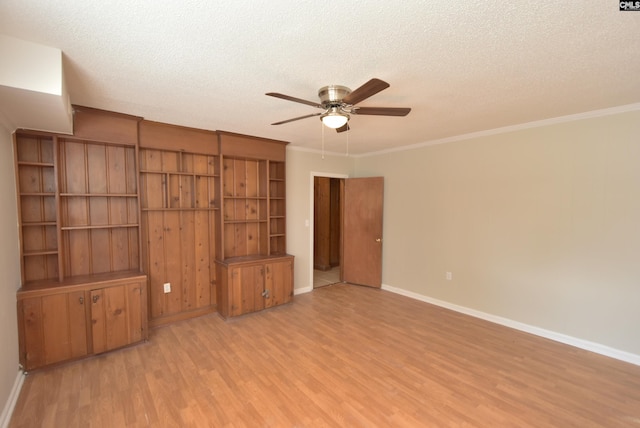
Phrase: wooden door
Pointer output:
(326, 223)
(53, 329)
(321, 223)
(116, 317)
(335, 226)
(362, 202)
(278, 282)
(246, 287)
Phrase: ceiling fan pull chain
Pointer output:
(322, 126)
(348, 132)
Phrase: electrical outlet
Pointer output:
(167, 287)
(449, 276)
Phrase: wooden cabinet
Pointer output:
(277, 208)
(52, 329)
(244, 201)
(123, 194)
(37, 207)
(117, 315)
(82, 291)
(78, 207)
(98, 196)
(82, 316)
(255, 271)
(251, 284)
(253, 196)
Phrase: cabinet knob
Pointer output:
(81, 299)
(265, 294)
(96, 298)
(378, 240)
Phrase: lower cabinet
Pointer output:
(54, 329)
(250, 284)
(83, 316)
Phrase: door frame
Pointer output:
(314, 174)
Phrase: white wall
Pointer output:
(33, 93)
(32, 66)
(10, 272)
(539, 226)
(300, 165)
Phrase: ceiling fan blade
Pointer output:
(343, 128)
(296, 118)
(370, 88)
(382, 111)
(294, 99)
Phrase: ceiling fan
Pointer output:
(339, 103)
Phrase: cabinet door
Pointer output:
(278, 283)
(53, 329)
(246, 286)
(116, 316)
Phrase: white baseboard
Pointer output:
(303, 290)
(5, 418)
(558, 337)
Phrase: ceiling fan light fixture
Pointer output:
(334, 119)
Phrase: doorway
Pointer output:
(326, 231)
(325, 228)
(355, 227)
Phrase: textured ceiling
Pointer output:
(461, 66)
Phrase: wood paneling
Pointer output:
(101, 125)
(179, 208)
(40, 267)
(277, 208)
(245, 146)
(174, 241)
(162, 136)
(335, 223)
(37, 209)
(78, 207)
(322, 223)
(245, 213)
(326, 223)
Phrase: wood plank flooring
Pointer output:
(340, 356)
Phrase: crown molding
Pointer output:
(511, 128)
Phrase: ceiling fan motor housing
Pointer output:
(332, 95)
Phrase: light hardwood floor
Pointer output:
(340, 356)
